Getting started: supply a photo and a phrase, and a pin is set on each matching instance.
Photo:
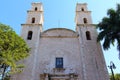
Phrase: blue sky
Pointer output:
(58, 13)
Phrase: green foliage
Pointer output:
(12, 48)
(7, 78)
(116, 76)
(110, 28)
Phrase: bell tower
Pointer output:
(34, 24)
(93, 63)
(30, 32)
(83, 16)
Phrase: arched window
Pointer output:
(35, 8)
(88, 36)
(85, 20)
(82, 9)
(33, 20)
(30, 33)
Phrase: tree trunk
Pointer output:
(4, 69)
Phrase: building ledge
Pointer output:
(31, 24)
(58, 69)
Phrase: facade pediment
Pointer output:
(59, 32)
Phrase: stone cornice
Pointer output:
(34, 11)
(86, 25)
(31, 24)
(59, 36)
(84, 11)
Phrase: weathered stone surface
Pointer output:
(82, 59)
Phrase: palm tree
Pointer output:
(110, 29)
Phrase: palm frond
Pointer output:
(101, 36)
(106, 43)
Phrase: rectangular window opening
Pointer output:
(59, 62)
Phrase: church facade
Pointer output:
(60, 53)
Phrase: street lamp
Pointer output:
(112, 66)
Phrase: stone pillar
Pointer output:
(46, 76)
(71, 76)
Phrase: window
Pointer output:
(84, 20)
(82, 9)
(35, 8)
(33, 20)
(88, 36)
(59, 62)
(29, 37)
